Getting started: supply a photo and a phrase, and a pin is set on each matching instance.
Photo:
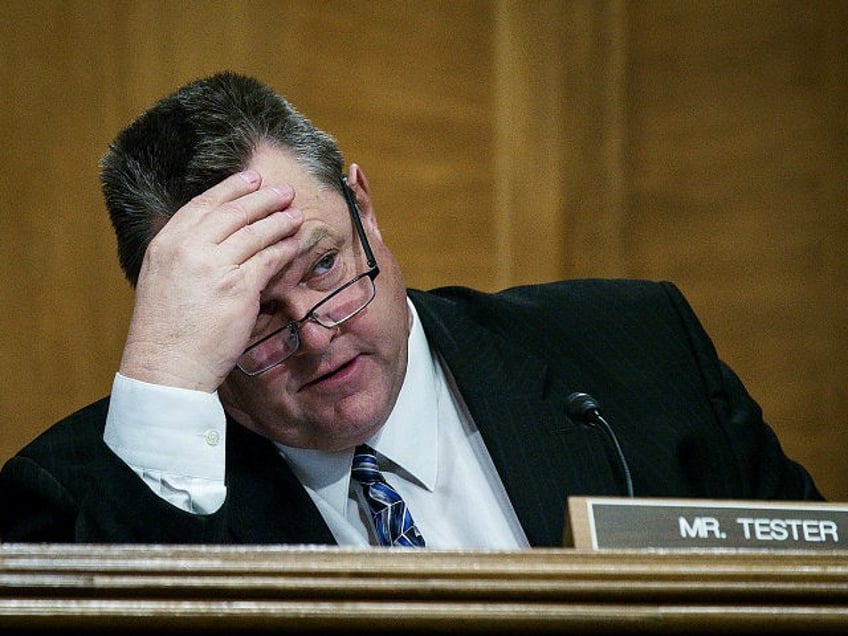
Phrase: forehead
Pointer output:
(316, 200)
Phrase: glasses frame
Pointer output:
(294, 325)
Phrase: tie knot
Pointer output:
(365, 469)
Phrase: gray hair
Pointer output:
(191, 140)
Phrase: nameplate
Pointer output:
(597, 523)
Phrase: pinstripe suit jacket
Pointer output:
(684, 421)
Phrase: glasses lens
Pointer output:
(346, 302)
(271, 351)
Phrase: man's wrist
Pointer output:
(162, 371)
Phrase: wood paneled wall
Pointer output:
(506, 142)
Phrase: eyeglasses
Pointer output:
(333, 310)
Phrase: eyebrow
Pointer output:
(311, 241)
(306, 246)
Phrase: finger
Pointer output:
(232, 216)
(233, 187)
(188, 219)
(229, 205)
(266, 263)
(254, 237)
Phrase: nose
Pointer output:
(314, 338)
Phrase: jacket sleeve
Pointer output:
(34, 507)
(107, 505)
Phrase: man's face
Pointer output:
(341, 384)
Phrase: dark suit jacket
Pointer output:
(684, 421)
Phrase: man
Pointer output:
(275, 358)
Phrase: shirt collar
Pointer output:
(409, 438)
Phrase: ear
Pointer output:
(358, 183)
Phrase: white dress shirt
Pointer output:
(429, 450)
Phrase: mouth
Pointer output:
(339, 376)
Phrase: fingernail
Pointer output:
(283, 190)
(293, 213)
(251, 176)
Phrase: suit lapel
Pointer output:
(520, 409)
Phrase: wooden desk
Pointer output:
(253, 589)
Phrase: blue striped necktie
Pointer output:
(392, 521)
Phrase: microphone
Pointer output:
(582, 407)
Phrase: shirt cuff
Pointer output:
(166, 429)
